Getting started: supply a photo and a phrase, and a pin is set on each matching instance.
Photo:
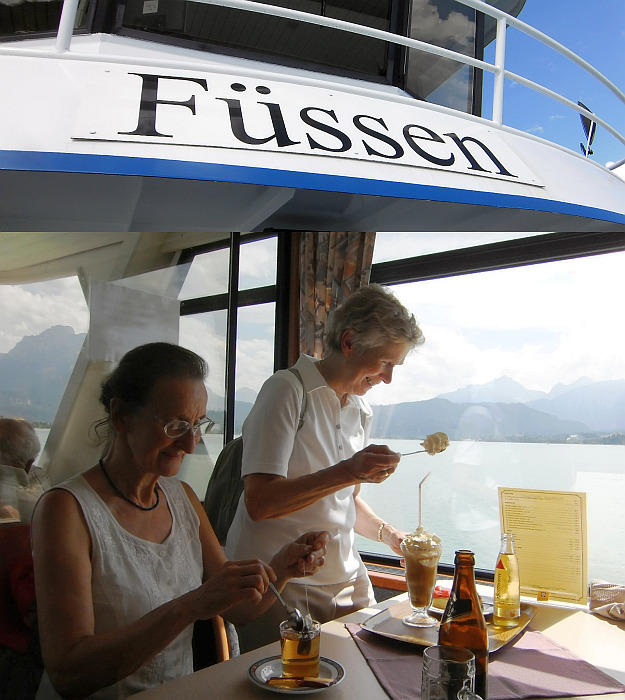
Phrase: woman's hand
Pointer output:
(303, 557)
(393, 538)
(374, 464)
(235, 582)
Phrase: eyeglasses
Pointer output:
(177, 428)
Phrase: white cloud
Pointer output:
(205, 335)
(30, 309)
(540, 325)
(207, 275)
(254, 363)
(454, 32)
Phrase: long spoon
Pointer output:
(294, 616)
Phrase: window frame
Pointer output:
(235, 299)
(548, 247)
(533, 249)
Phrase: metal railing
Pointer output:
(498, 69)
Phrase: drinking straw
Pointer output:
(421, 496)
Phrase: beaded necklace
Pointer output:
(128, 500)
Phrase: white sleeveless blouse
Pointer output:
(132, 576)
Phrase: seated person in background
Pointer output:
(294, 476)
(21, 483)
(125, 557)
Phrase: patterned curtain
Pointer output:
(332, 266)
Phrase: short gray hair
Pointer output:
(19, 444)
(376, 317)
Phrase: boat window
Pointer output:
(453, 26)
(257, 266)
(44, 325)
(444, 23)
(523, 369)
(206, 303)
(207, 275)
(269, 35)
(205, 334)
(255, 356)
(21, 18)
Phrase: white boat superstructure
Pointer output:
(119, 131)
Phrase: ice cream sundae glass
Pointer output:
(421, 550)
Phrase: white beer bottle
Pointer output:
(507, 585)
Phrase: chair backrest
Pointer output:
(212, 642)
(17, 587)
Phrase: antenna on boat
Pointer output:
(589, 128)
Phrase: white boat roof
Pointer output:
(137, 136)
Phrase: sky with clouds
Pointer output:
(539, 324)
(595, 31)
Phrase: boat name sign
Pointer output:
(224, 112)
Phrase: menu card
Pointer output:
(550, 535)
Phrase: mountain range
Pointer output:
(504, 409)
(33, 376)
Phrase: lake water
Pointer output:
(460, 498)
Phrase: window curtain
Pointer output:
(332, 266)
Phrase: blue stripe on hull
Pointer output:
(216, 172)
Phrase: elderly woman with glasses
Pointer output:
(126, 560)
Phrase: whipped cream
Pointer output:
(422, 539)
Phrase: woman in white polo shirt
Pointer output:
(309, 476)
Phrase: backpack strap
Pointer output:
(225, 484)
(304, 396)
(363, 416)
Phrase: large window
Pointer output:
(229, 318)
(523, 368)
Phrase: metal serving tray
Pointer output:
(388, 623)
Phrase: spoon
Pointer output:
(294, 616)
(416, 452)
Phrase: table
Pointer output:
(598, 640)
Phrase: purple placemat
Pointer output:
(532, 667)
